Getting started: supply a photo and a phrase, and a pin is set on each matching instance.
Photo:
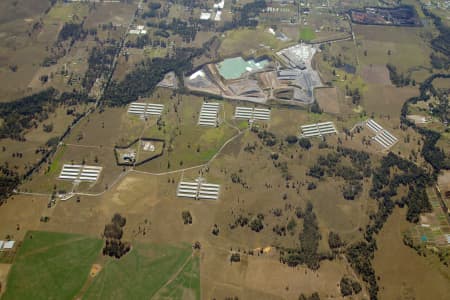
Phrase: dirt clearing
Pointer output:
(376, 74)
(328, 100)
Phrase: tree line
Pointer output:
(441, 43)
(309, 238)
(144, 78)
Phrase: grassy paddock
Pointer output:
(307, 34)
(51, 266)
(248, 39)
(146, 270)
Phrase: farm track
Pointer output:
(174, 275)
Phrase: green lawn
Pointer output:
(145, 271)
(307, 34)
(51, 266)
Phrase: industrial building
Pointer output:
(80, 173)
(145, 109)
(382, 136)
(209, 114)
(250, 113)
(318, 129)
(198, 189)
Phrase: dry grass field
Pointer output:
(328, 100)
(387, 100)
(377, 74)
(422, 277)
(116, 13)
(252, 40)
(401, 46)
(24, 211)
(21, 53)
(442, 83)
(35, 139)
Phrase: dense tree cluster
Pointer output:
(441, 110)
(352, 189)
(24, 113)
(100, 62)
(144, 78)
(385, 183)
(360, 256)
(268, 138)
(7, 185)
(246, 16)
(315, 108)
(398, 79)
(187, 217)
(114, 246)
(355, 94)
(186, 29)
(191, 4)
(334, 240)
(73, 31)
(434, 155)
(332, 165)
(142, 41)
(304, 143)
(349, 286)
(235, 257)
(255, 223)
(313, 296)
(291, 139)
(309, 242)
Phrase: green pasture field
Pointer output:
(307, 34)
(144, 271)
(51, 266)
(186, 284)
(401, 46)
